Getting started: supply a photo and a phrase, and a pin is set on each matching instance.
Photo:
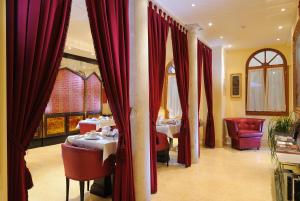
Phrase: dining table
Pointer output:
(169, 128)
(98, 122)
(107, 144)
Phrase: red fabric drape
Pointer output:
(200, 64)
(158, 29)
(207, 70)
(181, 61)
(109, 21)
(36, 33)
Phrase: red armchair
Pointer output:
(245, 133)
(162, 148)
(82, 165)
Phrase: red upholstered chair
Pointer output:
(82, 165)
(245, 133)
(162, 148)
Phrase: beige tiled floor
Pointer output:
(222, 174)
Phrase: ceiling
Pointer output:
(79, 38)
(242, 23)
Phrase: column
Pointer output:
(139, 98)
(193, 90)
(219, 97)
(3, 130)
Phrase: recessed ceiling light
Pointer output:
(283, 9)
(210, 24)
(280, 27)
(221, 37)
(193, 5)
(278, 39)
(229, 46)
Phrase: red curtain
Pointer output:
(109, 21)
(200, 64)
(181, 61)
(36, 33)
(207, 70)
(158, 29)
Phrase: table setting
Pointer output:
(98, 122)
(106, 140)
(168, 127)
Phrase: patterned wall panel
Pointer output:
(73, 122)
(67, 94)
(55, 126)
(93, 93)
(94, 115)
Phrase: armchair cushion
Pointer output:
(249, 133)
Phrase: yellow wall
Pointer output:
(235, 62)
(3, 139)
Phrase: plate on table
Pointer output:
(110, 135)
(92, 137)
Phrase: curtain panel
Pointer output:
(200, 69)
(275, 84)
(109, 22)
(36, 34)
(158, 29)
(207, 70)
(181, 61)
(173, 102)
(256, 90)
(200, 47)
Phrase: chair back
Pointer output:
(84, 128)
(84, 164)
(162, 143)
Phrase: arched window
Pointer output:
(267, 83)
(173, 102)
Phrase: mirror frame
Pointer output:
(296, 35)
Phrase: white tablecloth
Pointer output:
(168, 129)
(100, 123)
(107, 144)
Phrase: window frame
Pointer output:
(266, 66)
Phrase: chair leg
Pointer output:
(81, 185)
(107, 185)
(168, 157)
(67, 188)
(88, 185)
